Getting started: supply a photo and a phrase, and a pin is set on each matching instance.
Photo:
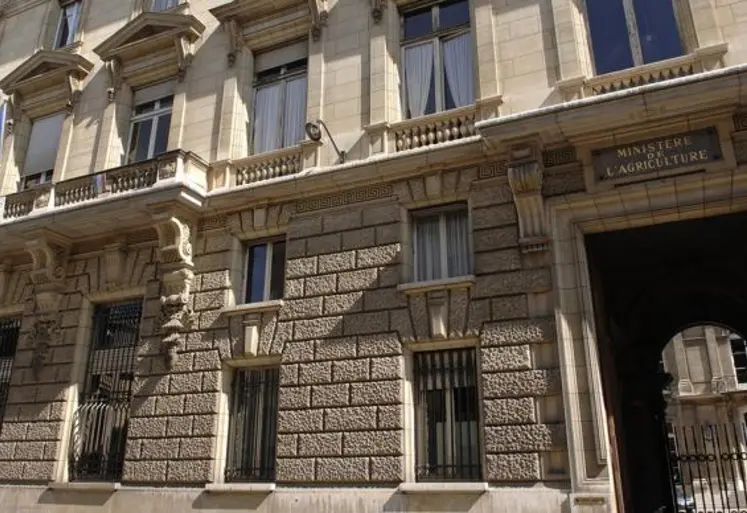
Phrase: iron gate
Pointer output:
(708, 467)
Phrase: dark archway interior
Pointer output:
(648, 284)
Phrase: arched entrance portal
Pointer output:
(648, 285)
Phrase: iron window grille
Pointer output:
(426, 32)
(101, 420)
(9, 332)
(149, 129)
(441, 243)
(265, 271)
(253, 426)
(446, 416)
(739, 356)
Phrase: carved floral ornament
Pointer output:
(525, 180)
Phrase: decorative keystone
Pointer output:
(525, 180)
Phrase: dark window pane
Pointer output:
(162, 134)
(430, 106)
(454, 14)
(609, 35)
(277, 274)
(64, 33)
(418, 24)
(449, 102)
(168, 101)
(145, 107)
(657, 29)
(140, 141)
(255, 283)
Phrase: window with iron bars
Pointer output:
(253, 426)
(9, 330)
(446, 416)
(100, 423)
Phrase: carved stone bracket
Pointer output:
(115, 256)
(319, 16)
(377, 9)
(49, 257)
(525, 180)
(175, 255)
(74, 89)
(184, 55)
(235, 41)
(5, 273)
(114, 74)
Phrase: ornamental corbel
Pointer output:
(14, 116)
(74, 89)
(319, 16)
(235, 41)
(114, 74)
(6, 269)
(525, 180)
(184, 54)
(174, 240)
(49, 258)
(377, 10)
(115, 257)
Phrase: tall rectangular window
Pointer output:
(101, 420)
(441, 247)
(739, 355)
(280, 98)
(41, 154)
(627, 33)
(438, 58)
(163, 5)
(150, 123)
(253, 425)
(446, 416)
(265, 271)
(67, 26)
(9, 332)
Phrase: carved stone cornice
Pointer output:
(47, 82)
(525, 179)
(154, 46)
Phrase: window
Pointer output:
(265, 271)
(441, 243)
(9, 331)
(150, 124)
(67, 26)
(41, 155)
(3, 111)
(100, 425)
(446, 407)
(163, 5)
(280, 98)
(437, 56)
(252, 426)
(627, 33)
(739, 354)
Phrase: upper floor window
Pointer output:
(446, 416)
(150, 123)
(67, 26)
(280, 98)
(437, 59)
(99, 433)
(9, 331)
(163, 5)
(253, 425)
(627, 33)
(265, 271)
(41, 154)
(441, 247)
(739, 355)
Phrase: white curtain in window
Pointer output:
(418, 76)
(295, 111)
(43, 144)
(72, 15)
(457, 244)
(427, 249)
(162, 5)
(459, 71)
(267, 118)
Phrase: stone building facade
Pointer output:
(403, 325)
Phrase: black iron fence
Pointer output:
(9, 332)
(100, 422)
(253, 426)
(708, 467)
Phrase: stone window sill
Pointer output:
(420, 287)
(249, 308)
(240, 488)
(443, 488)
(80, 486)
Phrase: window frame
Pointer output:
(441, 211)
(152, 5)
(156, 114)
(56, 44)
(267, 286)
(422, 428)
(7, 325)
(40, 178)
(273, 370)
(732, 337)
(266, 78)
(436, 37)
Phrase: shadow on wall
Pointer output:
(215, 502)
(75, 498)
(403, 503)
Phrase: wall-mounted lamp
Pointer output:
(314, 132)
